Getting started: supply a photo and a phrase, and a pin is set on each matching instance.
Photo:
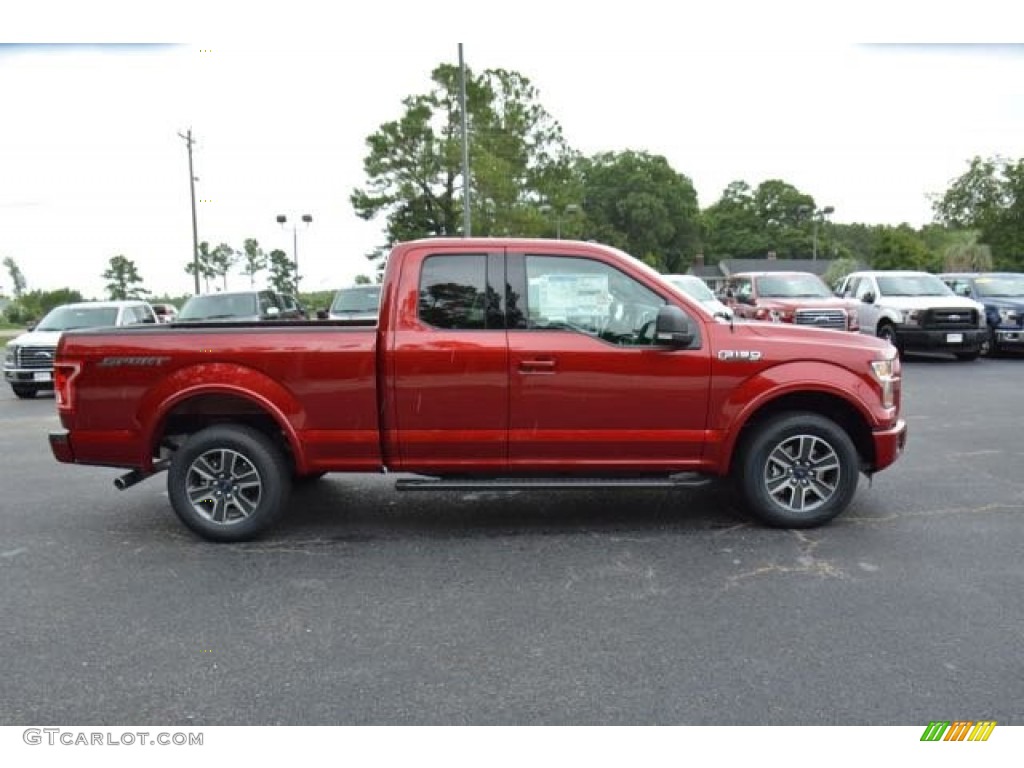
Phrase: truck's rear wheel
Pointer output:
(228, 483)
(798, 470)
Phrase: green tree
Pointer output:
(17, 278)
(206, 267)
(902, 248)
(34, 304)
(123, 279)
(518, 159)
(989, 198)
(254, 260)
(637, 202)
(222, 259)
(282, 272)
(363, 280)
(839, 269)
(748, 223)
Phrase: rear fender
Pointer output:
(220, 379)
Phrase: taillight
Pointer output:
(64, 374)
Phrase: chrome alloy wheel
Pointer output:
(802, 473)
(223, 486)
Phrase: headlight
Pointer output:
(886, 373)
(912, 316)
(9, 354)
(1008, 315)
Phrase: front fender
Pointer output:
(220, 379)
(744, 400)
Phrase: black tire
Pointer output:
(246, 476)
(797, 470)
(887, 332)
(24, 392)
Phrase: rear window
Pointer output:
(219, 307)
(363, 299)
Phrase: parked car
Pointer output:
(801, 298)
(165, 313)
(28, 359)
(697, 289)
(1002, 295)
(916, 310)
(240, 306)
(357, 302)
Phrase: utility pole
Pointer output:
(466, 218)
(189, 141)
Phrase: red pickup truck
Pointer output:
(495, 363)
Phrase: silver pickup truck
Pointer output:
(916, 311)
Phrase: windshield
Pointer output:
(1006, 286)
(67, 318)
(912, 285)
(791, 287)
(696, 288)
(219, 306)
(357, 299)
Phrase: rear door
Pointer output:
(448, 363)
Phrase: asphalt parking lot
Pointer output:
(627, 607)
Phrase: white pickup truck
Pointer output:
(916, 311)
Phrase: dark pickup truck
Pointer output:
(496, 363)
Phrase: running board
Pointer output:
(686, 480)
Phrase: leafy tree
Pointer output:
(124, 281)
(748, 223)
(967, 256)
(17, 278)
(282, 272)
(363, 280)
(206, 267)
(989, 198)
(254, 260)
(839, 269)
(222, 259)
(518, 159)
(637, 202)
(902, 248)
(34, 304)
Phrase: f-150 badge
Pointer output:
(729, 355)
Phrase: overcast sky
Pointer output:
(91, 164)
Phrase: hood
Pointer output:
(37, 339)
(805, 302)
(929, 302)
(1005, 302)
(820, 343)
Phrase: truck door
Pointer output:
(589, 389)
(448, 364)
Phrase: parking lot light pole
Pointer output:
(570, 210)
(306, 219)
(819, 215)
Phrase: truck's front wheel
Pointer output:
(798, 470)
(228, 483)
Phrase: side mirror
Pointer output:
(673, 328)
(868, 298)
(30, 325)
(273, 311)
(322, 314)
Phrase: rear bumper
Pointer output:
(889, 444)
(60, 445)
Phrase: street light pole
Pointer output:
(571, 208)
(189, 141)
(819, 215)
(306, 219)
